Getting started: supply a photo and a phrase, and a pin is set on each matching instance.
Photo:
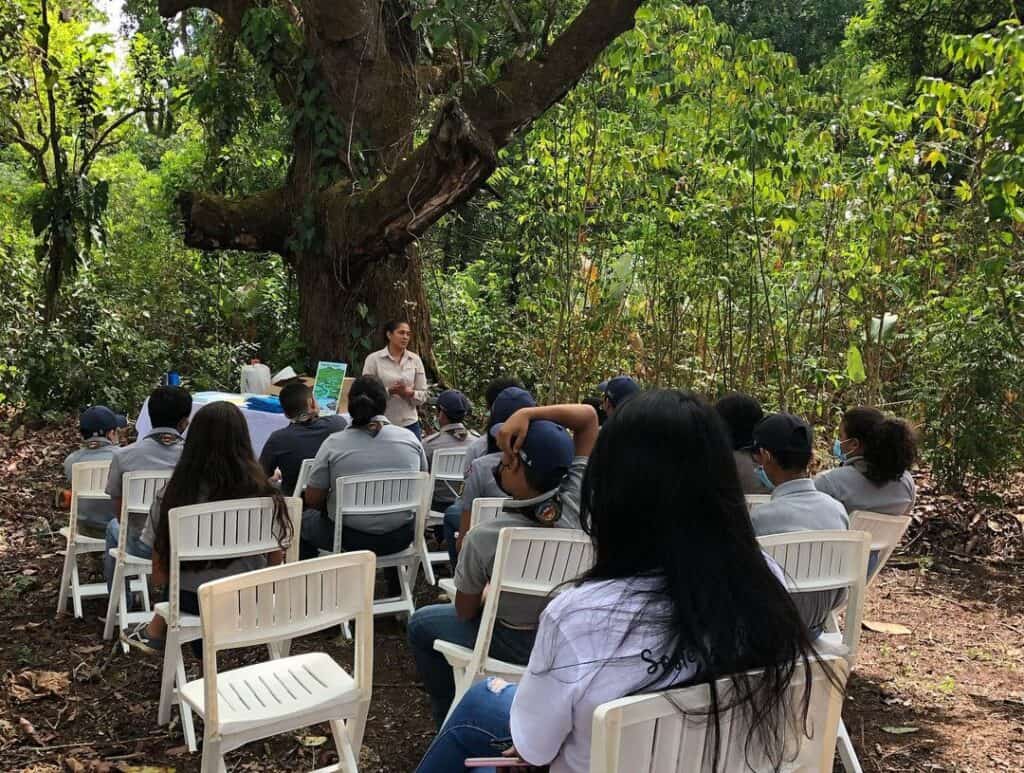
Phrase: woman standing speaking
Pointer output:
(402, 373)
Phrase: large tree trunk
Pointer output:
(369, 64)
(341, 318)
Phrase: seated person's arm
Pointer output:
(315, 497)
(468, 605)
(580, 419)
(275, 557)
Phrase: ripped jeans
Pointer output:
(479, 727)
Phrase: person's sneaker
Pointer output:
(136, 637)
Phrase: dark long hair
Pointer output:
(890, 446)
(217, 463)
(367, 398)
(661, 498)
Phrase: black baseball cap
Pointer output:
(454, 404)
(99, 420)
(618, 389)
(782, 433)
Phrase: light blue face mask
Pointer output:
(838, 452)
(763, 477)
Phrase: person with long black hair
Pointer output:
(217, 463)
(680, 594)
(875, 453)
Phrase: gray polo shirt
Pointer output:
(747, 469)
(480, 481)
(356, 452)
(93, 514)
(476, 560)
(798, 506)
(159, 450)
(451, 436)
(852, 487)
(476, 449)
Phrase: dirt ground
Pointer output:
(947, 696)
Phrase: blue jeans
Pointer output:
(440, 622)
(452, 520)
(479, 727)
(135, 547)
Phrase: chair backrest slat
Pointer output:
(88, 481)
(485, 509)
(670, 732)
(886, 532)
(386, 493)
(446, 463)
(139, 489)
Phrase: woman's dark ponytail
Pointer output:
(889, 450)
(367, 398)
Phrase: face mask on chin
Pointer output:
(838, 452)
(763, 477)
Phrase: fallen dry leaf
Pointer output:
(900, 730)
(34, 685)
(894, 629)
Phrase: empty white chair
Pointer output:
(282, 695)
(529, 562)
(212, 531)
(88, 482)
(139, 490)
(754, 501)
(484, 509)
(822, 561)
(303, 480)
(388, 493)
(445, 467)
(669, 732)
(886, 532)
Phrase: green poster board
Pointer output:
(330, 378)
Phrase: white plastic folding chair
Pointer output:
(484, 509)
(754, 501)
(212, 531)
(886, 532)
(282, 695)
(303, 480)
(445, 467)
(666, 732)
(387, 493)
(88, 481)
(139, 489)
(822, 561)
(528, 562)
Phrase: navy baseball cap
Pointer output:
(546, 448)
(99, 420)
(508, 401)
(782, 432)
(453, 403)
(618, 389)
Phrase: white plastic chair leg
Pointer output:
(172, 655)
(846, 753)
(65, 579)
(346, 754)
(76, 590)
(187, 727)
(113, 607)
(213, 758)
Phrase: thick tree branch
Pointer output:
(461, 152)
(101, 142)
(231, 11)
(259, 223)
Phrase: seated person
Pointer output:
(169, 410)
(370, 444)
(659, 608)
(217, 463)
(615, 391)
(288, 447)
(478, 477)
(741, 414)
(452, 408)
(875, 455)
(98, 426)
(541, 469)
(783, 446)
